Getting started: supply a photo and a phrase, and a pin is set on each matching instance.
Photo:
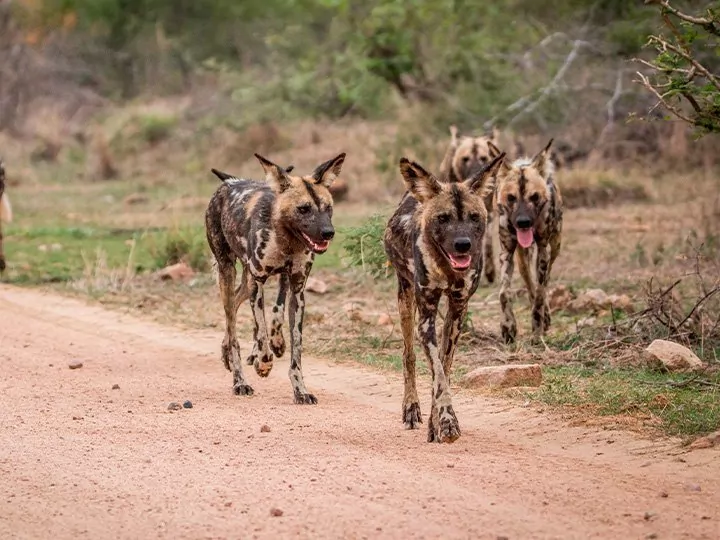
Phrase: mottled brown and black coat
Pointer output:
(434, 242)
(529, 207)
(272, 228)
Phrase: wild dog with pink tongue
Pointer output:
(529, 208)
(434, 241)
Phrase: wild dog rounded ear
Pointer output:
(541, 161)
(326, 173)
(483, 182)
(274, 174)
(422, 184)
(495, 152)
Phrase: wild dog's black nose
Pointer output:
(462, 245)
(523, 222)
(327, 233)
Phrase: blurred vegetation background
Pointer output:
(532, 66)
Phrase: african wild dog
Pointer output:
(465, 156)
(5, 212)
(434, 241)
(529, 208)
(273, 228)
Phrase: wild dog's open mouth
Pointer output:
(459, 262)
(525, 237)
(316, 247)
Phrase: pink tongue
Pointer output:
(461, 261)
(525, 237)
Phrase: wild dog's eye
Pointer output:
(465, 159)
(443, 218)
(484, 159)
(535, 198)
(304, 209)
(475, 217)
(511, 198)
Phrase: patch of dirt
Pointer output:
(81, 458)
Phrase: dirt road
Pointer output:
(79, 459)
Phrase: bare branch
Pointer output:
(661, 99)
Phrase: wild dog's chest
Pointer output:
(270, 253)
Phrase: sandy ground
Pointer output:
(79, 459)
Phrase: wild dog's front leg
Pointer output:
(508, 326)
(443, 425)
(277, 341)
(260, 357)
(230, 348)
(406, 307)
(540, 312)
(451, 333)
(295, 320)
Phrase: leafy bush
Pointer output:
(365, 249)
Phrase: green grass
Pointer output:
(683, 406)
(61, 254)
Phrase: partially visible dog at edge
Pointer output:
(434, 241)
(5, 212)
(529, 207)
(273, 228)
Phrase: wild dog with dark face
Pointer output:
(464, 157)
(273, 228)
(530, 210)
(5, 212)
(434, 241)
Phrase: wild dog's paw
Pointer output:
(263, 365)
(509, 333)
(448, 427)
(242, 389)
(411, 415)
(304, 398)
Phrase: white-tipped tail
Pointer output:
(5, 208)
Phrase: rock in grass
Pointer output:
(75, 365)
(174, 406)
(187, 404)
(505, 376)
(674, 356)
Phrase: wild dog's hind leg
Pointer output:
(508, 326)
(230, 347)
(443, 425)
(406, 307)
(277, 341)
(260, 357)
(296, 313)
